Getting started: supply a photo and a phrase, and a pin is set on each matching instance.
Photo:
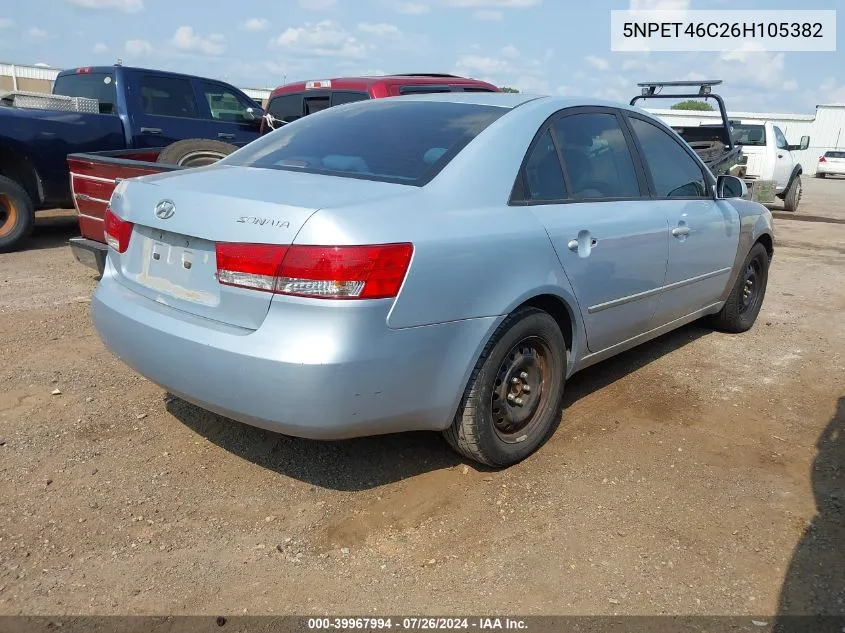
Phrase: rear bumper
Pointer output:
(829, 168)
(310, 370)
(89, 252)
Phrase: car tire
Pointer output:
(499, 422)
(793, 196)
(743, 305)
(195, 152)
(17, 215)
(820, 174)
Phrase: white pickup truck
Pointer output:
(767, 164)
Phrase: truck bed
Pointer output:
(708, 143)
(93, 177)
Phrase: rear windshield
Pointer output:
(98, 86)
(833, 154)
(751, 135)
(391, 140)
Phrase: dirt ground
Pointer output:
(699, 474)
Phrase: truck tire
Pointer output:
(793, 196)
(17, 215)
(195, 152)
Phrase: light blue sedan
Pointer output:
(441, 262)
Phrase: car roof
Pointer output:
(364, 82)
(513, 99)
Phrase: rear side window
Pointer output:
(381, 139)
(832, 154)
(674, 172)
(99, 86)
(286, 108)
(168, 96)
(543, 175)
(596, 156)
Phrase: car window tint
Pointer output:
(168, 96)
(596, 156)
(380, 139)
(225, 105)
(543, 175)
(99, 86)
(674, 173)
(780, 139)
(286, 108)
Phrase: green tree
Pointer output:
(692, 104)
(509, 89)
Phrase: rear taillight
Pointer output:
(117, 231)
(821, 159)
(327, 272)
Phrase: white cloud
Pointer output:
(6, 23)
(381, 29)
(187, 40)
(323, 39)
(831, 92)
(599, 63)
(510, 51)
(509, 4)
(127, 6)
(491, 15)
(37, 34)
(255, 24)
(510, 68)
(138, 48)
(411, 8)
(469, 64)
(318, 5)
(659, 5)
(99, 47)
(565, 91)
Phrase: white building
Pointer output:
(826, 128)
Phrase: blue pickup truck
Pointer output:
(195, 120)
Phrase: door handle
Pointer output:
(228, 137)
(573, 244)
(680, 231)
(150, 130)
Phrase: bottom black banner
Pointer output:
(532, 624)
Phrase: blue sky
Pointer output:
(548, 46)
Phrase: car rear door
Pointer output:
(165, 109)
(225, 109)
(611, 242)
(703, 231)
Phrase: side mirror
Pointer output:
(253, 114)
(805, 142)
(730, 187)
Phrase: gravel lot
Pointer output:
(699, 474)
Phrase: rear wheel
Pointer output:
(743, 305)
(820, 174)
(17, 215)
(514, 398)
(195, 152)
(793, 196)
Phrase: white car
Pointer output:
(831, 163)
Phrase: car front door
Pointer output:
(703, 231)
(165, 111)
(783, 160)
(227, 111)
(584, 184)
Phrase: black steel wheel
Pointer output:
(746, 299)
(514, 398)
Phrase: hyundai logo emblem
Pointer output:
(165, 209)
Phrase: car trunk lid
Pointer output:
(179, 219)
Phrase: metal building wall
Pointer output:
(826, 128)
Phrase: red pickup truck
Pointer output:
(93, 176)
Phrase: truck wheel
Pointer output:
(793, 196)
(746, 298)
(195, 152)
(17, 215)
(514, 398)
